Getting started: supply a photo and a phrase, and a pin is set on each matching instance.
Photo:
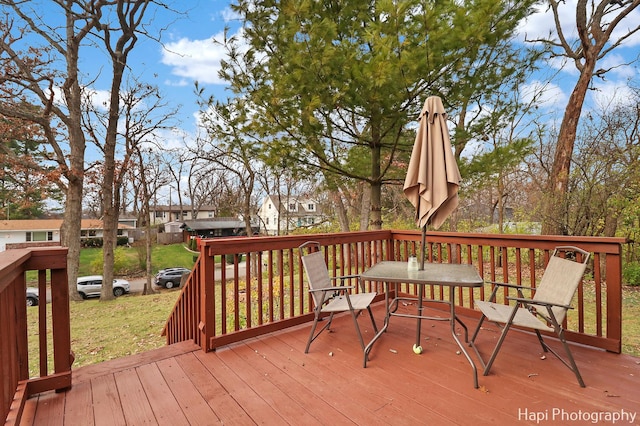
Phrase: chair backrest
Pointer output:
(317, 274)
(561, 280)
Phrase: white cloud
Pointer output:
(177, 83)
(618, 65)
(612, 94)
(619, 61)
(100, 99)
(229, 15)
(540, 24)
(197, 60)
(550, 96)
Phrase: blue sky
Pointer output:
(189, 55)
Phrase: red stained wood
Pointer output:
(269, 380)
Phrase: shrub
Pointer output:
(631, 273)
(95, 267)
(121, 263)
(91, 242)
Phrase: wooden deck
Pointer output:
(269, 380)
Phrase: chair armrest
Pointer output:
(516, 286)
(342, 279)
(345, 277)
(539, 302)
(498, 284)
(334, 288)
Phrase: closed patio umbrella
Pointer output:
(433, 178)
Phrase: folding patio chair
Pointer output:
(331, 297)
(546, 311)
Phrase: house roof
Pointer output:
(49, 224)
(219, 223)
(185, 208)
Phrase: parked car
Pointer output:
(91, 286)
(170, 277)
(32, 296)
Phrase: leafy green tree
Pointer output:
(335, 86)
(26, 176)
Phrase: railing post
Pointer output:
(207, 315)
(61, 322)
(16, 385)
(614, 297)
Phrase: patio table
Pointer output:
(444, 274)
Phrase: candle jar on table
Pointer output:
(412, 264)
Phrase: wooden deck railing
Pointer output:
(226, 302)
(51, 264)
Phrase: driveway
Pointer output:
(137, 284)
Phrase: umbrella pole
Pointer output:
(423, 247)
(420, 286)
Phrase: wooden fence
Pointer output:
(244, 287)
(17, 386)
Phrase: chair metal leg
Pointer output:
(313, 337)
(545, 348)
(354, 315)
(506, 328)
(494, 354)
(573, 366)
(313, 330)
(328, 326)
(475, 333)
(373, 321)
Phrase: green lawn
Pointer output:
(110, 329)
(130, 261)
(631, 321)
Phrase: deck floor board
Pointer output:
(270, 380)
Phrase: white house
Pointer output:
(288, 213)
(43, 232)
(173, 213)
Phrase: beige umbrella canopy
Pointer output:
(433, 177)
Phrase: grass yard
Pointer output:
(631, 321)
(130, 261)
(106, 330)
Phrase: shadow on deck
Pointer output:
(270, 380)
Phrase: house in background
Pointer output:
(284, 215)
(46, 232)
(127, 219)
(214, 228)
(173, 213)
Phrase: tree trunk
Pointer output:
(72, 223)
(365, 206)
(554, 210)
(340, 210)
(110, 210)
(148, 285)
